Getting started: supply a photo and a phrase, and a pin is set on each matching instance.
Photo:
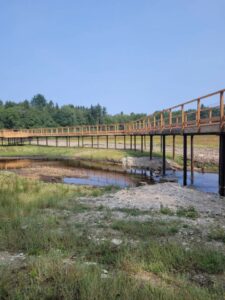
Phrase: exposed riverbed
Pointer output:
(130, 172)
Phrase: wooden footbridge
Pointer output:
(200, 116)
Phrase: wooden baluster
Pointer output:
(161, 120)
(210, 116)
(170, 118)
(182, 116)
(198, 112)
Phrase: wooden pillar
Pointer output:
(184, 159)
(124, 142)
(78, 141)
(97, 141)
(82, 141)
(142, 143)
(222, 165)
(115, 142)
(174, 145)
(107, 142)
(164, 155)
(192, 159)
(131, 142)
(151, 147)
(92, 141)
(161, 143)
(145, 142)
(135, 144)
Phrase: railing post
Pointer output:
(210, 116)
(170, 118)
(182, 115)
(198, 112)
(221, 108)
(161, 120)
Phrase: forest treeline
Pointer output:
(39, 112)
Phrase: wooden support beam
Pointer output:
(174, 146)
(92, 141)
(184, 159)
(131, 142)
(115, 142)
(124, 142)
(222, 165)
(151, 147)
(97, 141)
(135, 143)
(221, 108)
(164, 155)
(192, 158)
(107, 142)
(142, 143)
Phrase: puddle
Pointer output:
(81, 172)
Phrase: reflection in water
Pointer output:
(98, 174)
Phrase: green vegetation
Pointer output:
(149, 228)
(42, 113)
(54, 152)
(189, 212)
(69, 254)
(166, 211)
(217, 234)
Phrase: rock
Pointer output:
(168, 179)
(116, 242)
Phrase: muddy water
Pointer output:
(82, 172)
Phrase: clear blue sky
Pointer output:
(128, 55)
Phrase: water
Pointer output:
(97, 174)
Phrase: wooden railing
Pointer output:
(176, 117)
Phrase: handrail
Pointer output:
(155, 122)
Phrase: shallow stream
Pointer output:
(81, 172)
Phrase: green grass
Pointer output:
(166, 211)
(189, 212)
(52, 152)
(148, 228)
(217, 234)
(43, 221)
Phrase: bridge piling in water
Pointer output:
(222, 165)
(192, 157)
(184, 159)
(164, 155)
(174, 141)
(151, 147)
